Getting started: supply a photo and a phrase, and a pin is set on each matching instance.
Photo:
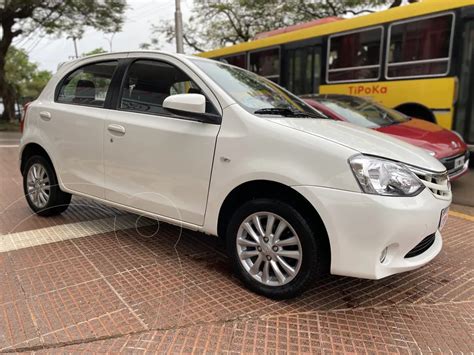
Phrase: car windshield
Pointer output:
(254, 93)
(362, 112)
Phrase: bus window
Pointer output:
(354, 56)
(266, 63)
(239, 60)
(420, 47)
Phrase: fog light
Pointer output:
(383, 255)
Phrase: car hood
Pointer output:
(363, 140)
(427, 135)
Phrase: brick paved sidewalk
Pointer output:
(90, 281)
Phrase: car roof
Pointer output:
(113, 54)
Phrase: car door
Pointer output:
(154, 160)
(73, 125)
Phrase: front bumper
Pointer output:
(360, 226)
(453, 171)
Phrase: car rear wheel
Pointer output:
(41, 188)
(274, 250)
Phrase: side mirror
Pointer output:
(194, 103)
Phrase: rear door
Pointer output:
(157, 161)
(73, 125)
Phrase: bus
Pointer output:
(417, 59)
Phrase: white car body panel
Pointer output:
(160, 165)
(364, 141)
(182, 171)
(258, 150)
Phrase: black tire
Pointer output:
(58, 200)
(315, 258)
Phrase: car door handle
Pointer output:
(116, 129)
(45, 115)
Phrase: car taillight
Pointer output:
(23, 117)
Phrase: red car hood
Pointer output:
(427, 135)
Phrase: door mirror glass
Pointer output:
(194, 103)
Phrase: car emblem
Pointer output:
(454, 144)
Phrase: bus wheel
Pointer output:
(417, 111)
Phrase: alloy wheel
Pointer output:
(269, 249)
(38, 185)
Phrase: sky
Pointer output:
(48, 52)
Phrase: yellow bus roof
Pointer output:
(398, 13)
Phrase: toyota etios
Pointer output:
(221, 150)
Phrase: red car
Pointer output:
(446, 145)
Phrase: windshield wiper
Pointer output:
(286, 112)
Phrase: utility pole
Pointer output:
(75, 46)
(178, 22)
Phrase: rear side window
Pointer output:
(87, 85)
(148, 83)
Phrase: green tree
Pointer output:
(217, 23)
(24, 81)
(99, 50)
(46, 17)
(28, 81)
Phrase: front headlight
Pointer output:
(384, 177)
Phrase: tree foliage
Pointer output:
(23, 78)
(217, 23)
(98, 50)
(69, 17)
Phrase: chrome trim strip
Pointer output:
(437, 183)
(354, 68)
(418, 62)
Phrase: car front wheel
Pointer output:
(274, 250)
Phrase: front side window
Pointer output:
(420, 48)
(87, 85)
(266, 63)
(148, 83)
(355, 56)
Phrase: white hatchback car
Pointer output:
(218, 149)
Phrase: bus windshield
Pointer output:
(256, 94)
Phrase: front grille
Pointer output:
(422, 246)
(449, 163)
(438, 183)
